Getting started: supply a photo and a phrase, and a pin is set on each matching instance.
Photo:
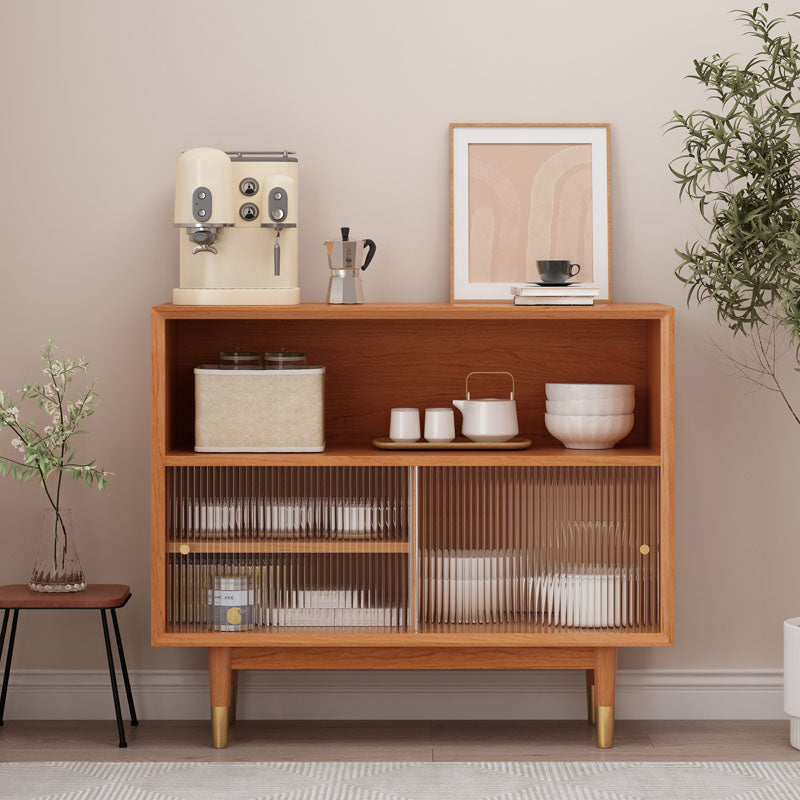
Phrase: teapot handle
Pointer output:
(371, 248)
(513, 388)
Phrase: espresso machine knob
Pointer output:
(248, 186)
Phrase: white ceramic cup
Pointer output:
(404, 426)
(440, 425)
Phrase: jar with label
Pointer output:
(231, 603)
(239, 359)
(284, 360)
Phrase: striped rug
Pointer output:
(510, 780)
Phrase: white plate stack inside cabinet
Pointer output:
(472, 587)
(585, 599)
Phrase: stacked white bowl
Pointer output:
(589, 416)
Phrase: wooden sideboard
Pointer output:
(544, 558)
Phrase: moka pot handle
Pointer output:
(371, 247)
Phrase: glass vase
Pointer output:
(57, 568)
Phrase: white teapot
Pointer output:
(490, 419)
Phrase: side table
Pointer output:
(102, 596)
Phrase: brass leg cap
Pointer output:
(605, 726)
(591, 713)
(219, 727)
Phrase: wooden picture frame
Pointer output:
(487, 167)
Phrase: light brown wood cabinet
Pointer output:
(359, 558)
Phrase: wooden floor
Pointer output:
(399, 741)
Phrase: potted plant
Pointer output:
(740, 163)
(47, 455)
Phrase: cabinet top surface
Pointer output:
(417, 311)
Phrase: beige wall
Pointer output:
(99, 97)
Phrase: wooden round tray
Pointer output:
(458, 443)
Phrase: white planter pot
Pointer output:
(791, 677)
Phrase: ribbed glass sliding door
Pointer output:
(527, 549)
(288, 548)
(538, 548)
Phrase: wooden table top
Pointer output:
(95, 595)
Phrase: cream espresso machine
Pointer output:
(239, 215)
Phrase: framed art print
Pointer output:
(521, 193)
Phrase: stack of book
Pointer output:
(565, 294)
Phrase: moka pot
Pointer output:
(345, 257)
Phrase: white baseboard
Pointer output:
(183, 694)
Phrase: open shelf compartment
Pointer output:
(373, 364)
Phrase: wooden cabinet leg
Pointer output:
(234, 694)
(591, 716)
(219, 679)
(605, 679)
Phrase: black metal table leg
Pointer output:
(3, 636)
(3, 631)
(9, 654)
(113, 675)
(125, 678)
(3, 643)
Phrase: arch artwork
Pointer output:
(528, 202)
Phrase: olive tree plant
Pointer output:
(740, 163)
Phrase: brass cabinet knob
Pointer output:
(184, 549)
(644, 549)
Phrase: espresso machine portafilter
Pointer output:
(239, 212)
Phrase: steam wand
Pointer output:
(276, 248)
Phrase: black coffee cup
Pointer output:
(557, 270)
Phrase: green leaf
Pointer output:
(43, 457)
(740, 165)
